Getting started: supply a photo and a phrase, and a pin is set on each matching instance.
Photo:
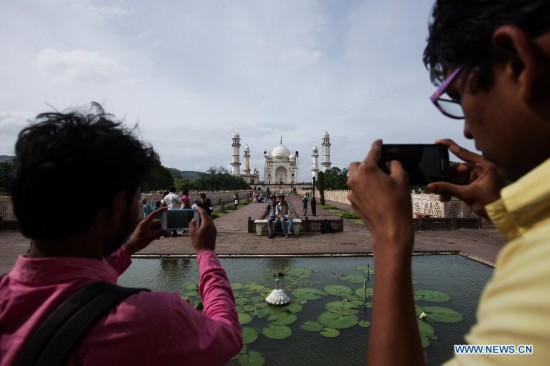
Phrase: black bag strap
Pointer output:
(66, 326)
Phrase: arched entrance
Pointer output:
(281, 175)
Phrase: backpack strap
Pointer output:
(66, 326)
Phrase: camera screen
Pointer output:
(423, 163)
(178, 219)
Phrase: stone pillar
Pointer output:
(326, 152)
(236, 145)
(315, 162)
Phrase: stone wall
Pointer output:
(424, 204)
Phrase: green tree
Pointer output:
(219, 179)
(182, 184)
(159, 179)
(336, 178)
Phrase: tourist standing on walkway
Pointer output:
(173, 202)
(271, 213)
(304, 205)
(147, 209)
(73, 154)
(185, 200)
(492, 60)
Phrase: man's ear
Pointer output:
(120, 205)
(522, 59)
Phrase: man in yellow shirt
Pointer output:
(492, 58)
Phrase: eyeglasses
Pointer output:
(448, 106)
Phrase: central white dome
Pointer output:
(280, 152)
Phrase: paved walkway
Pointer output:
(234, 239)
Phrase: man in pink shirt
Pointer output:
(58, 158)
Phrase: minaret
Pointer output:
(246, 156)
(236, 145)
(326, 152)
(315, 162)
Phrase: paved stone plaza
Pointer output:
(234, 239)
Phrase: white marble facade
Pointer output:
(281, 166)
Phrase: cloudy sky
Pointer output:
(190, 73)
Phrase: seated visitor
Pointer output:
(283, 216)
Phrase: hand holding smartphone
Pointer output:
(424, 163)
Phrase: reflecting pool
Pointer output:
(327, 321)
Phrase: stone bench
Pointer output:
(261, 226)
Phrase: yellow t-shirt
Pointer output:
(514, 308)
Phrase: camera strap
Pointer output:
(57, 337)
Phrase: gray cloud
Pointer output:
(192, 72)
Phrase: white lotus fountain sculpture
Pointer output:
(277, 296)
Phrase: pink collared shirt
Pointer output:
(148, 328)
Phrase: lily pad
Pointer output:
(293, 308)
(241, 301)
(431, 296)
(364, 323)
(307, 293)
(360, 292)
(252, 358)
(301, 301)
(330, 332)
(261, 305)
(366, 269)
(354, 278)
(249, 335)
(244, 318)
(442, 315)
(282, 318)
(189, 296)
(262, 313)
(277, 331)
(237, 286)
(249, 308)
(189, 286)
(342, 307)
(337, 321)
(311, 326)
(427, 333)
(258, 299)
(300, 272)
(338, 290)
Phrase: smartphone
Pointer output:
(179, 219)
(424, 163)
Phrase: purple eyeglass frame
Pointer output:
(442, 89)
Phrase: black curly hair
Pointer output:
(460, 33)
(68, 166)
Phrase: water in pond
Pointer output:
(328, 318)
